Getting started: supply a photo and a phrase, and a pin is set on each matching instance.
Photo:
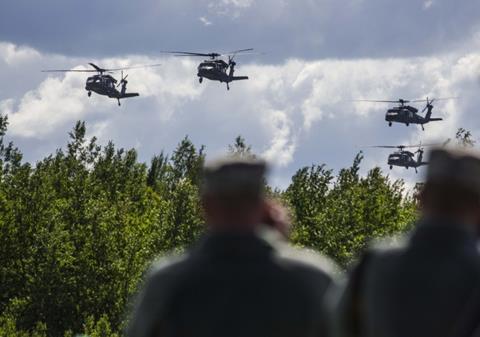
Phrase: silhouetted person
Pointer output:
(241, 279)
(430, 284)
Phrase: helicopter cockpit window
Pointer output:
(395, 156)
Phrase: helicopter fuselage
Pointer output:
(405, 115)
(409, 115)
(217, 70)
(105, 85)
(405, 159)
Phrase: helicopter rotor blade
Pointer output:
(385, 146)
(444, 98)
(97, 68)
(379, 101)
(420, 145)
(121, 79)
(69, 71)
(239, 51)
(186, 53)
(234, 53)
(433, 99)
(429, 103)
(212, 55)
(397, 146)
(133, 67)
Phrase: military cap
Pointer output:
(457, 166)
(234, 176)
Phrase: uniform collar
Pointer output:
(238, 244)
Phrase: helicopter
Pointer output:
(105, 84)
(406, 114)
(216, 69)
(405, 158)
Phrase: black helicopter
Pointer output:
(105, 84)
(406, 114)
(404, 158)
(216, 69)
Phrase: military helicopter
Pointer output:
(105, 84)
(216, 69)
(404, 158)
(406, 114)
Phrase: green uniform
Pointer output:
(244, 285)
(428, 287)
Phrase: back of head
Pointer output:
(233, 191)
(452, 186)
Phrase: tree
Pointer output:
(79, 228)
(187, 162)
(464, 138)
(240, 148)
(340, 215)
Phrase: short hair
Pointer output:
(234, 178)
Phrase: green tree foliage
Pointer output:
(79, 228)
(340, 215)
(464, 138)
(240, 148)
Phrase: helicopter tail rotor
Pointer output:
(232, 65)
(429, 104)
(122, 80)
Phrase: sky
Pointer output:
(315, 57)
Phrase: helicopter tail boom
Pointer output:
(239, 78)
(131, 94)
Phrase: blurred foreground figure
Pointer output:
(242, 279)
(431, 285)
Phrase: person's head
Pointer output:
(232, 194)
(452, 187)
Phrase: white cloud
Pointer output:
(205, 21)
(42, 110)
(295, 113)
(281, 149)
(14, 55)
(231, 8)
(427, 4)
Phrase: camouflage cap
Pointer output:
(234, 176)
(457, 166)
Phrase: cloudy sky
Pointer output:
(296, 109)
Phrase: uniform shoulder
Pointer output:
(307, 260)
(388, 245)
(170, 265)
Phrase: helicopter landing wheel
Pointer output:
(406, 167)
(200, 79)
(407, 124)
(89, 94)
(391, 167)
(118, 102)
(390, 124)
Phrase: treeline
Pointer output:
(79, 228)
